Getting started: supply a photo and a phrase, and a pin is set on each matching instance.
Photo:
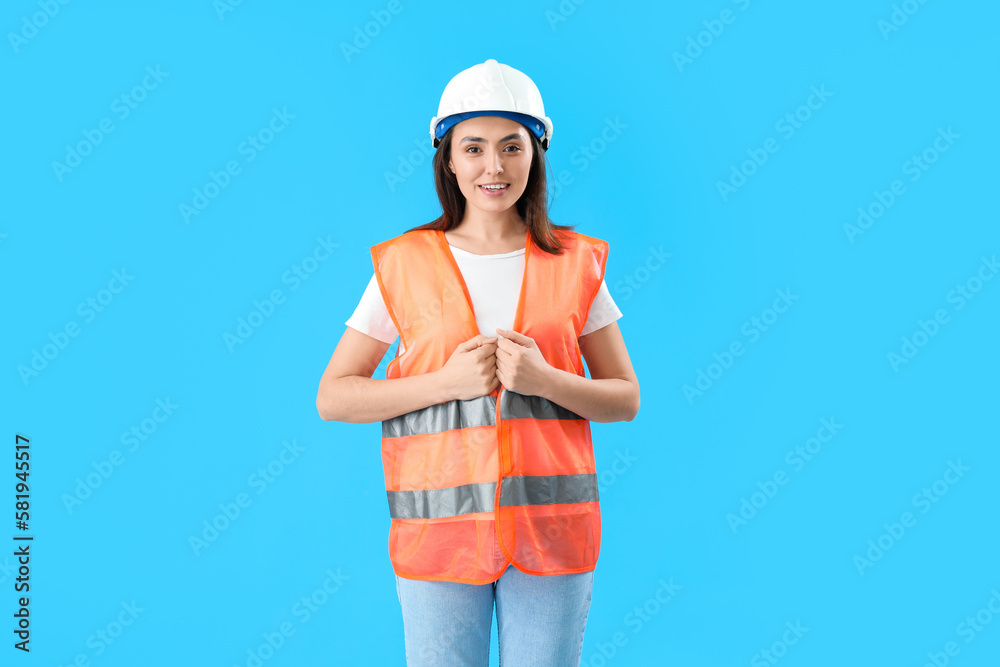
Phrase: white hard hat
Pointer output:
(492, 89)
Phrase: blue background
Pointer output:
(340, 171)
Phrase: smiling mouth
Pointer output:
(494, 189)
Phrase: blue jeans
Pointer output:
(540, 620)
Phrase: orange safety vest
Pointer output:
(503, 478)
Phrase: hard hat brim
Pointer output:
(540, 127)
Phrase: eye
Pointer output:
(515, 147)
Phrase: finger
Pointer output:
(512, 335)
(513, 338)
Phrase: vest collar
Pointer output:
(518, 316)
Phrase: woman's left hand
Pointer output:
(520, 364)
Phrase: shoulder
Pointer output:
(575, 238)
(583, 245)
(408, 241)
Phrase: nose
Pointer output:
(495, 165)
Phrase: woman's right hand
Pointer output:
(471, 370)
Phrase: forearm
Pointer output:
(360, 400)
(600, 400)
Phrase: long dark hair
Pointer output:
(532, 206)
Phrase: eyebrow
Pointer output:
(517, 135)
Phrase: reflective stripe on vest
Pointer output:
(475, 412)
(548, 490)
(470, 498)
(438, 503)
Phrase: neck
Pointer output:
(491, 227)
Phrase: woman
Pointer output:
(486, 408)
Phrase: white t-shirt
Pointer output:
(494, 283)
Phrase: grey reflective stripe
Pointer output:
(518, 406)
(548, 489)
(515, 491)
(437, 503)
(479, 411)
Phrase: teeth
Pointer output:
(493, 187)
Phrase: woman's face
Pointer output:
(487, 150)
